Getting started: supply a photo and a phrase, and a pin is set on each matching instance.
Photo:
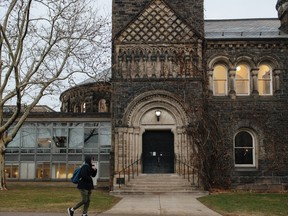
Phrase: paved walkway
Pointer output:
(144, 205)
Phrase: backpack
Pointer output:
(76, 175)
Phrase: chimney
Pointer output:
(282, 8)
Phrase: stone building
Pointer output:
(202, 98)
(172, 71)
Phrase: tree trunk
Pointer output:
(2, 167)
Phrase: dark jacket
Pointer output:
(87, 172)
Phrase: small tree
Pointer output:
(42, 43)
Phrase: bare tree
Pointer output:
(42, 43)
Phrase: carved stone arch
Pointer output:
(219, 59)
(247, 59)
(273, 61)
(153, 100)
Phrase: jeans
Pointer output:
(85, 194)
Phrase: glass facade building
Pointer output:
(52, 149)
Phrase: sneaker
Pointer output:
(70, 212)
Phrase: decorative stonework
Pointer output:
(157, 23)
(159, 62)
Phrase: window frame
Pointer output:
(248, 80)
(270, 80)
(254, 147)
(226, 80)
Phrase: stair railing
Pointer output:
(128, 171)
(189, 172)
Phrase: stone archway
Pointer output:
(140, 116)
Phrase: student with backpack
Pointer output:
(85, 186)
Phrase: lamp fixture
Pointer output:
(158, 114)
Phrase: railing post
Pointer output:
(193, 175)
(137, 167)
(119, 180)
(188, 173)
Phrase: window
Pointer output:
(242, 80)
(11, 171)
(220, 80)
(59, 171)
(43, 170)
(265, 80)
(244, 149)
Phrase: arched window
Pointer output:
(244, 149)
(220, 80)
(265, 80)
(242, 80)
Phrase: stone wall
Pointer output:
(267, 116)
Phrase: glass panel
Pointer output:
(90, 138)
(43, 171)
(60, 139)
(27, 170)
(44, 140)
(29, 137)
(264, 80)
(105, 136)
(244, 148)
(12, 171)
(92, 124)
(243, 139)
(242, 80)
(220, 80)
(244, 156)
(59, 170)
(76, 137)
(105, 124)
(15, 143)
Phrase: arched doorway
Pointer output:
(158, 151)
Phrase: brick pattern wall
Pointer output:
(124, 11)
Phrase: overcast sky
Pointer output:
(225, 9)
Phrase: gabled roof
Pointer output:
(243, 28)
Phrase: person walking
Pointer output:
(85, 186)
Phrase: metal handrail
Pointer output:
(130, 170)
(187, 171)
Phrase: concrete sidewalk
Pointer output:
(163, 204)
(143, 205)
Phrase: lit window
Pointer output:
(242, 80)
(264, 80)
(220, 80)
(244, 149)
(43, 170)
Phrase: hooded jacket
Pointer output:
(87, 172)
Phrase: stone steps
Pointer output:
(157, 183)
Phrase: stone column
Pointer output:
(210, 76)
(276, 74)
(254, 73)
(231, 84)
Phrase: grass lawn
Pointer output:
(43, 197)
(247, 204)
